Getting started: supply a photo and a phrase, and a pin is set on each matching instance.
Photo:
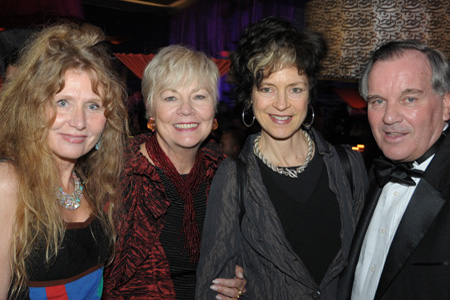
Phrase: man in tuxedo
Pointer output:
(401, 248)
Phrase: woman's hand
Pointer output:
(230, 288)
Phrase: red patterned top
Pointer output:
(140, 269)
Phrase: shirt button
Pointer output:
(372, 269)
(316, 295)
(396, 193)
(382, 231)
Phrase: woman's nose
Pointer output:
(78, 118)
(185, 107)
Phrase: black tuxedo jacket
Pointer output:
(418, 263)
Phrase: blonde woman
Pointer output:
(168, 172)
(63, 123)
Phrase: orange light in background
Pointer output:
(359, 147)
(117, 40)
(2, 29)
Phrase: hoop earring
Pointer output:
(243, 116)
(307, 126)
(151, 124)
(215, 124)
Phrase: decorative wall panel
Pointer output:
(354, 28)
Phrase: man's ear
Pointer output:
(446, 110)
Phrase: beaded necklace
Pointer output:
(71, 201)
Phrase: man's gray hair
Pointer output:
(440, 78)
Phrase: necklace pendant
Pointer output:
(71, 201)
(291, 173)
(70, 204)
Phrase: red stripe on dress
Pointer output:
(57, 293)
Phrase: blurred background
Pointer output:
(138, 28)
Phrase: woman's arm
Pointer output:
(8, 206)
(221, 239)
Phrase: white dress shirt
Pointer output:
(384, 223)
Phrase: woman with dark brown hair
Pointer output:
(293, 224)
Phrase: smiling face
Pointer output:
(79, 120)
(405, 114)
(280, 104)
(183, 116)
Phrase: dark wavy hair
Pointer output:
(268, 46)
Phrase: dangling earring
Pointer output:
(215, 124)
(151, 124)
(307, 126)
(98, 144)
(243, 115)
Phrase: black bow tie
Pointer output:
(388, 171)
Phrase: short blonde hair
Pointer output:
(177, 65)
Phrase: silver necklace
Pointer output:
(293, 173)
(71, 201)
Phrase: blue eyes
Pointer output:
(196, 97)
(90, 106)
(380, 101)
(376, 101)
(94, 106)
(62, 103)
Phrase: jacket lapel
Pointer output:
(346, 281)
(366, 216)
(422, 210)
(266, 233)
(425, 204)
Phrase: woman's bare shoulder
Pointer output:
(8, 205)
(8, 183)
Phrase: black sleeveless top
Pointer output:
(77, 269)
(84, 247)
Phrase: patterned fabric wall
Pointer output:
(354, 28)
